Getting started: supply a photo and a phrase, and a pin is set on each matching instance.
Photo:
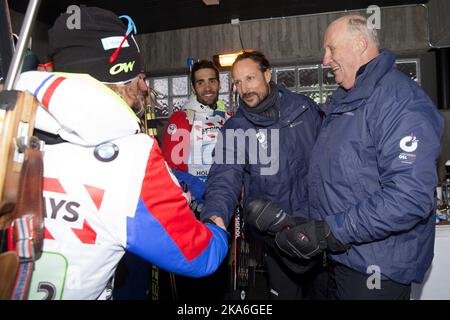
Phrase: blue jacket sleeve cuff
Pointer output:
(337, 226)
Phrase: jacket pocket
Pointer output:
(405, 250)
(351, 169)
(314, 193)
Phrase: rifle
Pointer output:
(21, 170)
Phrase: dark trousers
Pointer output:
(338, 282)
(210, 288)
(132, 278)
(284, 284)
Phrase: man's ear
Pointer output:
(361, 43)
(268, 75)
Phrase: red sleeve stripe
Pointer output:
(165, 201)
(50, 90)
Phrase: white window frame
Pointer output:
(322, 88)
(170, 96)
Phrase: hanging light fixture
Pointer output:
(211, 2)
(226, 59)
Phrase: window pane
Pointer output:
(314, 95)
(328, 77)
(161, 85)
(308, 77)
(178, 103)
(162, 109)
(325, 94)
(226, 99)
(286, 78)
(179, 86)
(224, 82)
(408, 68)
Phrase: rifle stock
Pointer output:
(21, 171)
(8, 273)
(16, 125)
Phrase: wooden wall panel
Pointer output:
(284, 40)
(439, 12)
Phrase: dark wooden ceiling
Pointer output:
(161, 15)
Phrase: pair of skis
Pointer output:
(241, 256)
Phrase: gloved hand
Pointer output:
(307, 240)
(266, 217)
(266, 220)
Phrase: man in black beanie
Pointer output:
(96, 49)
(106, 186)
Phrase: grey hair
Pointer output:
(359, 24)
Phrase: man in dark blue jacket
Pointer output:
(373, 175)
(265, 147)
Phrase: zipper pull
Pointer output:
(324, 261)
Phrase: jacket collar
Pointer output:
(367, 78)
(193, 104)
(289, 111)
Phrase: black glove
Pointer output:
(265, 220)
(308, 239)
(267, 217)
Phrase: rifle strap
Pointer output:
(28, 222)
(20, 291)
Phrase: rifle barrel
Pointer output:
(25, 31)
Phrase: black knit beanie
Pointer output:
(88, 49)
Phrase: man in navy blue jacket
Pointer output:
(372, 176)
(265, 147)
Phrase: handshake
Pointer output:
(296, 237)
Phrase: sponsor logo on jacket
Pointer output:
(408, 144)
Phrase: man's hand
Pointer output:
(219, 221)
(308, 239)
(268, 220)
(267, 217)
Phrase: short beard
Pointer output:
(134, 98)
(204, 102)
(259, 95)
